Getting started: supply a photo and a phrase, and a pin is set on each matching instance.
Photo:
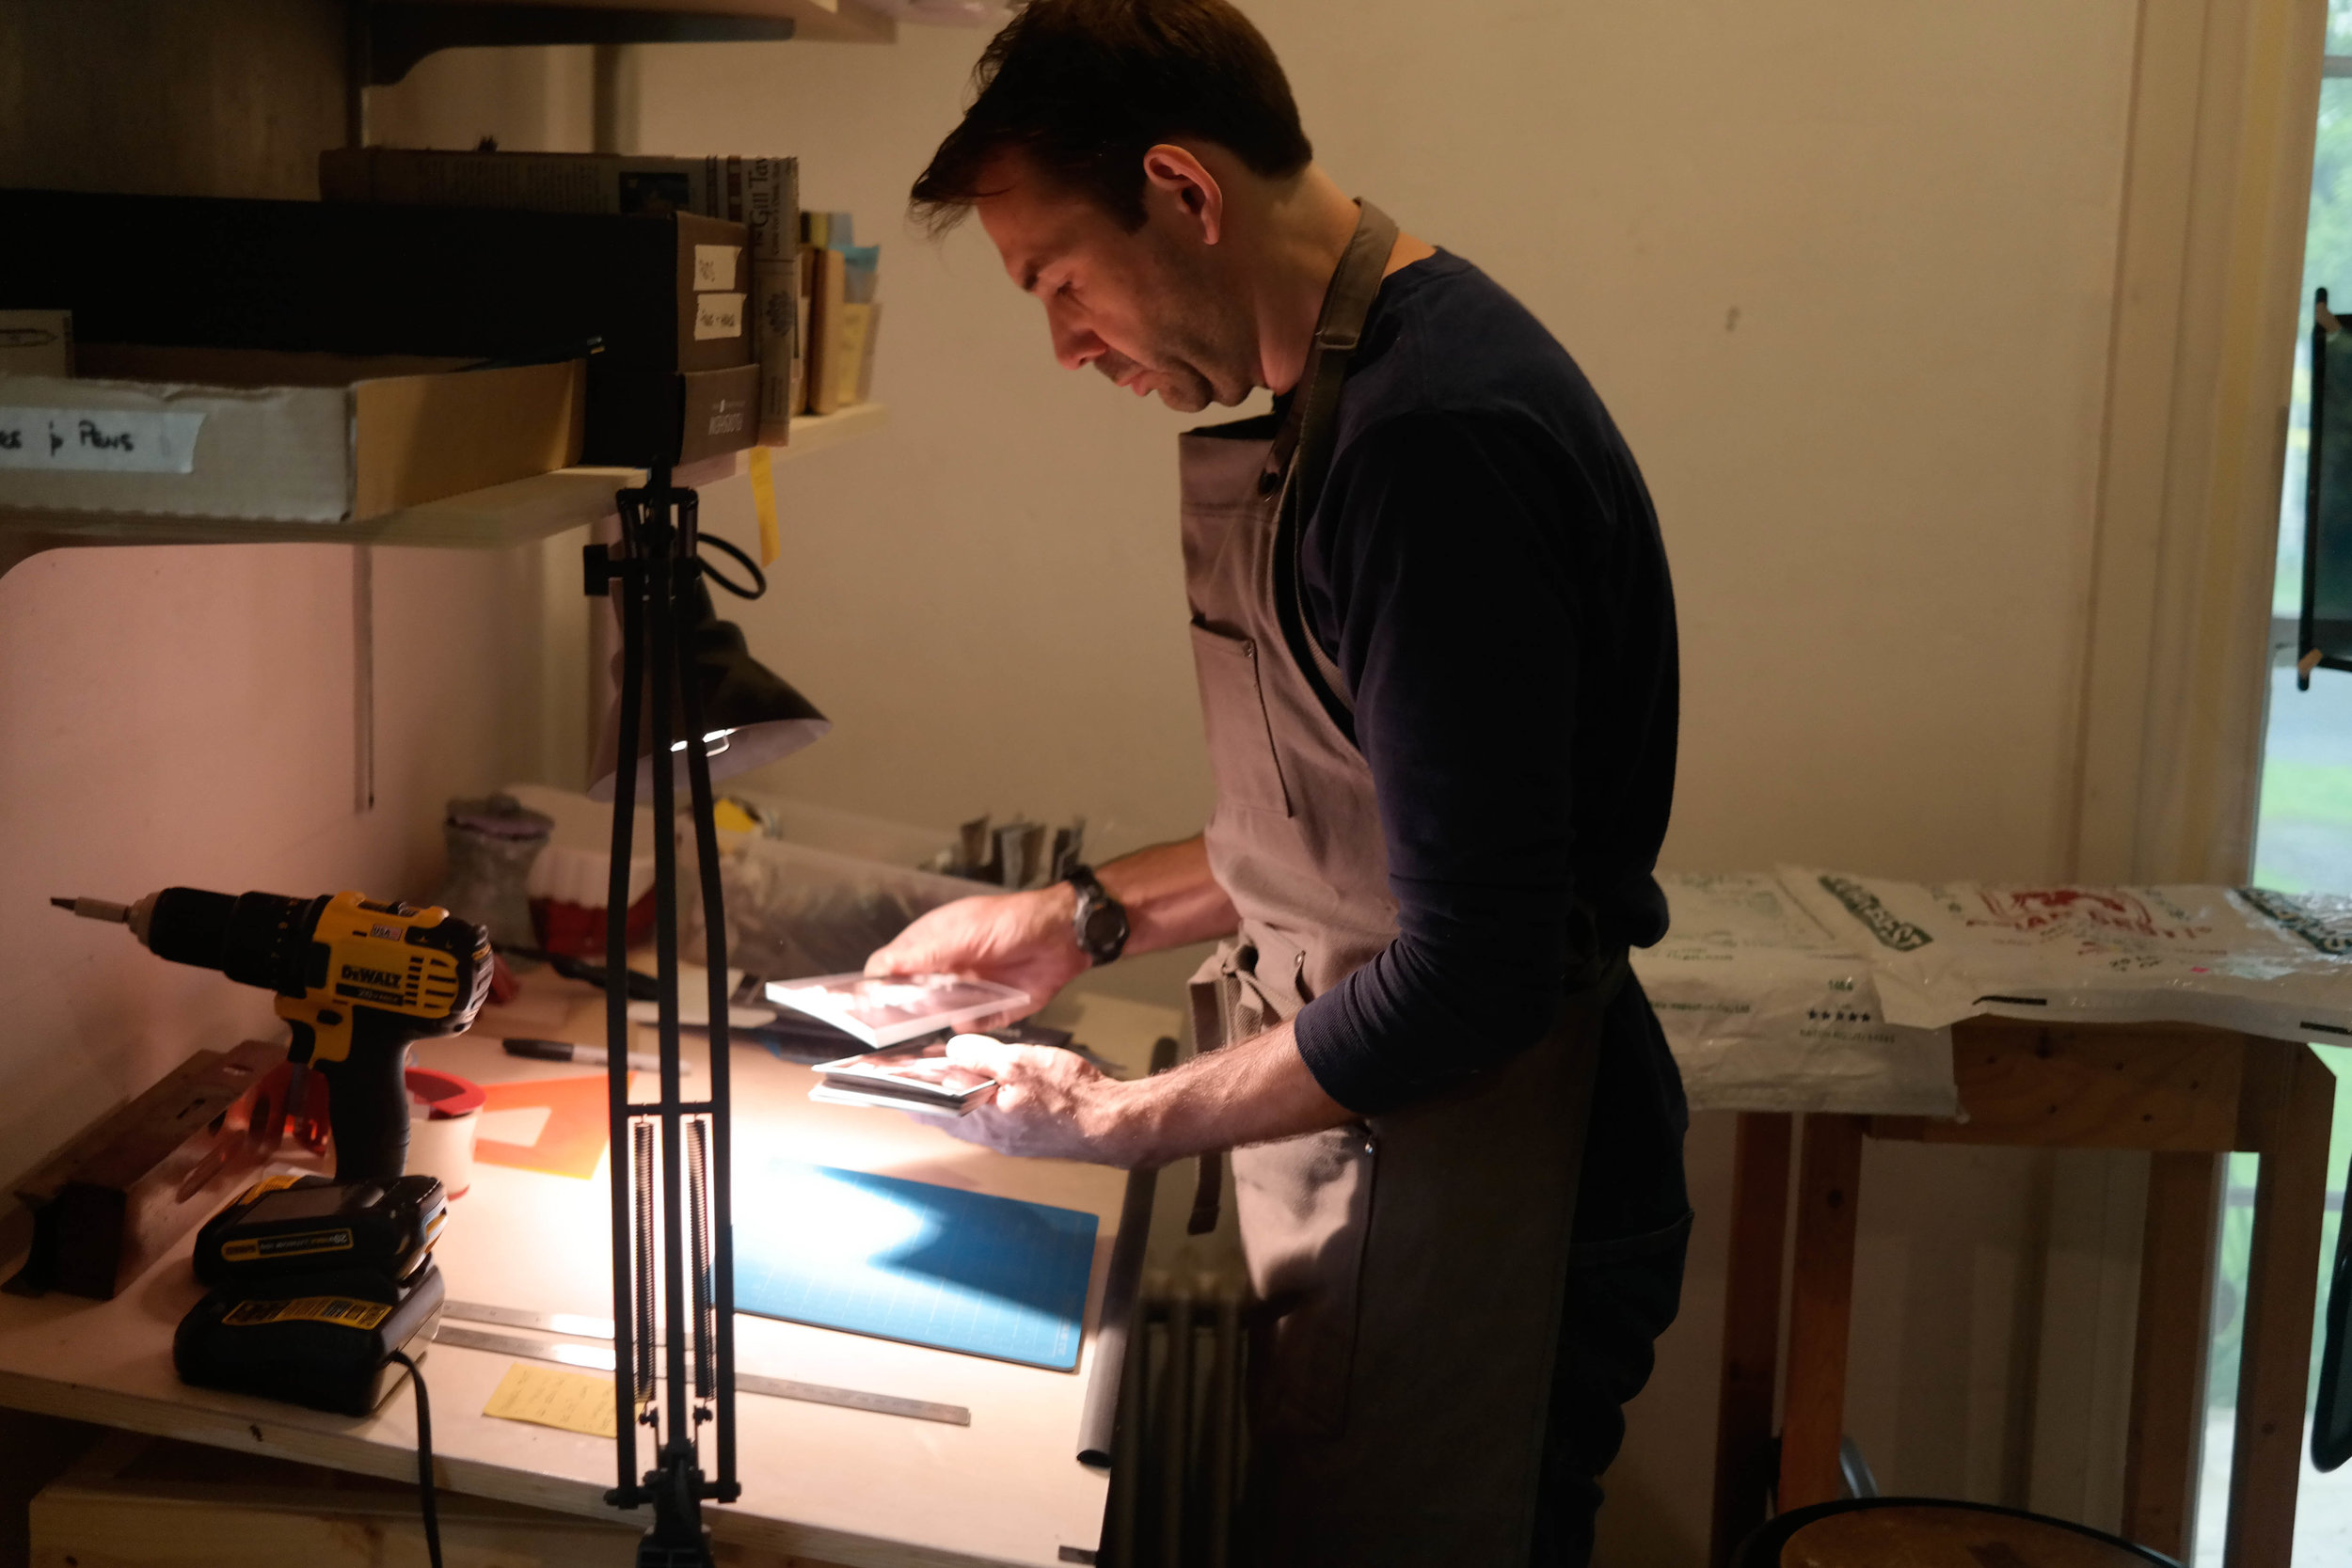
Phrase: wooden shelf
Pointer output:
(816, 432)
(496, 519)
(399, 35)
(813, 21)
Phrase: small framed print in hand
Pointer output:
(916, 1076)
(888, 1009)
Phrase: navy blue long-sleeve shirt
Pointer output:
(1484, 568)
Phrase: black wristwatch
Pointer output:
(1101, 924)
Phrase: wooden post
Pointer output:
(2294, 1096)
(2163, 1446)
(1813, 1409)
(1743, 1405)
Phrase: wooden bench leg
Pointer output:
(2282, 1290)
(1743, 1405)
(1820, 1302)
(2164, 1445)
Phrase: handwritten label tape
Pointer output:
(714, 265)
(106, 440)
(718, 315)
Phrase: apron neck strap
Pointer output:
(1301, 455)
(1306, 431)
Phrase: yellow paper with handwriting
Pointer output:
(571, 1402)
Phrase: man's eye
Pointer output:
(1067, 291)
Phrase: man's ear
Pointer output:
(1173, 171)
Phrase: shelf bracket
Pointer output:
(401, 34)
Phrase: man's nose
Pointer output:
(1074, 347)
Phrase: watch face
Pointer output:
(1105, 926)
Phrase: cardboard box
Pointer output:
(337, 277)
(321, 438)
(639, 418)
(762, 193)
(36, 342)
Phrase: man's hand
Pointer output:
(1026, 939)
(1022, 940)
(1049, 1105)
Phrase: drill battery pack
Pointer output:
(324, 1340)
(286, 1228)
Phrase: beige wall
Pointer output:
(1844, 274)
(186, 715)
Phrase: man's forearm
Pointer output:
(1051, 1105)
(1252, 1092)
(1170, 896)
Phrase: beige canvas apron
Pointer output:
(1409, 1267)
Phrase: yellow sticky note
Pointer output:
(550, 1396)
(763, 472)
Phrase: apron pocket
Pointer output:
(1232, 708)
(1305, 1206)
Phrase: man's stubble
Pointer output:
(1201, 343)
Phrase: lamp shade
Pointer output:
(750, 716)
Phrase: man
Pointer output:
(1434, 638)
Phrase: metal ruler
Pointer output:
(523, 1317)
(599, 1358)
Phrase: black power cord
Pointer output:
(760, 579)
(425, 1500)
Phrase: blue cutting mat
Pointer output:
(907, 1260)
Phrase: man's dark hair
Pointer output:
(1084, 88)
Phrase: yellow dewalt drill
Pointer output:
(357, 981)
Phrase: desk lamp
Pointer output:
(683, 674)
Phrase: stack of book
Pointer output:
(843, 317)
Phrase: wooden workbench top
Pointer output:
(846, 1486)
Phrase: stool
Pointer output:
(1930, 1532)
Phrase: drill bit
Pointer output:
(96, 909)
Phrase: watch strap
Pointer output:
(1093, 896)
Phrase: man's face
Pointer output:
(1147, 309)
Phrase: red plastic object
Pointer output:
(448, 1094)
(306, 1123)
(577, 930)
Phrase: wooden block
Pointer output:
(2166, 1440)
(1743, 1405)
(1820, 1305)
(2281, 1292)
(2167, 1088)
(110, 1203)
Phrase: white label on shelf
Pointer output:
(111, 440)
(714, 265)
(718, 315)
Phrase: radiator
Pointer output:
(1177, 1457)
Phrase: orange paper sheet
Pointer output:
(572, 1141)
